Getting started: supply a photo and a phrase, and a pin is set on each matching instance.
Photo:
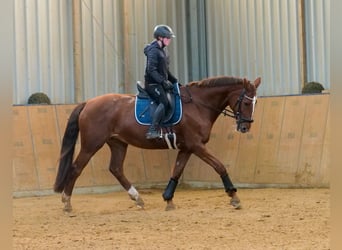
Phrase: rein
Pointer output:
(226, 112)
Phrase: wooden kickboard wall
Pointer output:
(288, 144)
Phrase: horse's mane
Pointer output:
(216, 81)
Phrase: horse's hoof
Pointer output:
(235, 202)
(69, 214)
(140, 203)
(170, 206)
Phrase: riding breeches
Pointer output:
(157, 93)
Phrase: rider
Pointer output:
(158, 78)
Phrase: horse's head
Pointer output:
(243, 104)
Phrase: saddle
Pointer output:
(145, 107)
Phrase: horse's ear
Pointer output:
(257, 82)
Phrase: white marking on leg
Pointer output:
(133, 193)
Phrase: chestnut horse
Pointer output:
(109, 119)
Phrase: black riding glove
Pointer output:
(167, 85)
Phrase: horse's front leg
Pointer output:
(181, 160)
(203, 153)
(231, 191)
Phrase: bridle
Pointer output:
(229, 112)
(238, 115)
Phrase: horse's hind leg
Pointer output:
(118, 153)
(78, 166)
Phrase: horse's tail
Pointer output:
(68, 149)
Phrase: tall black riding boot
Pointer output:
(153, 132)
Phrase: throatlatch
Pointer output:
(170, 189)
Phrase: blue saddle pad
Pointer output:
(144, 109)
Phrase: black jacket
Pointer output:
(157, 64)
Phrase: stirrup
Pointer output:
(153, 133)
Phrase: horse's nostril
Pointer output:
(243, 129)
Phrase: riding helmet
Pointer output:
(163, 30)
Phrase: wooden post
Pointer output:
(302, 42)
(77, 50)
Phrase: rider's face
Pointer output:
(166, 41)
